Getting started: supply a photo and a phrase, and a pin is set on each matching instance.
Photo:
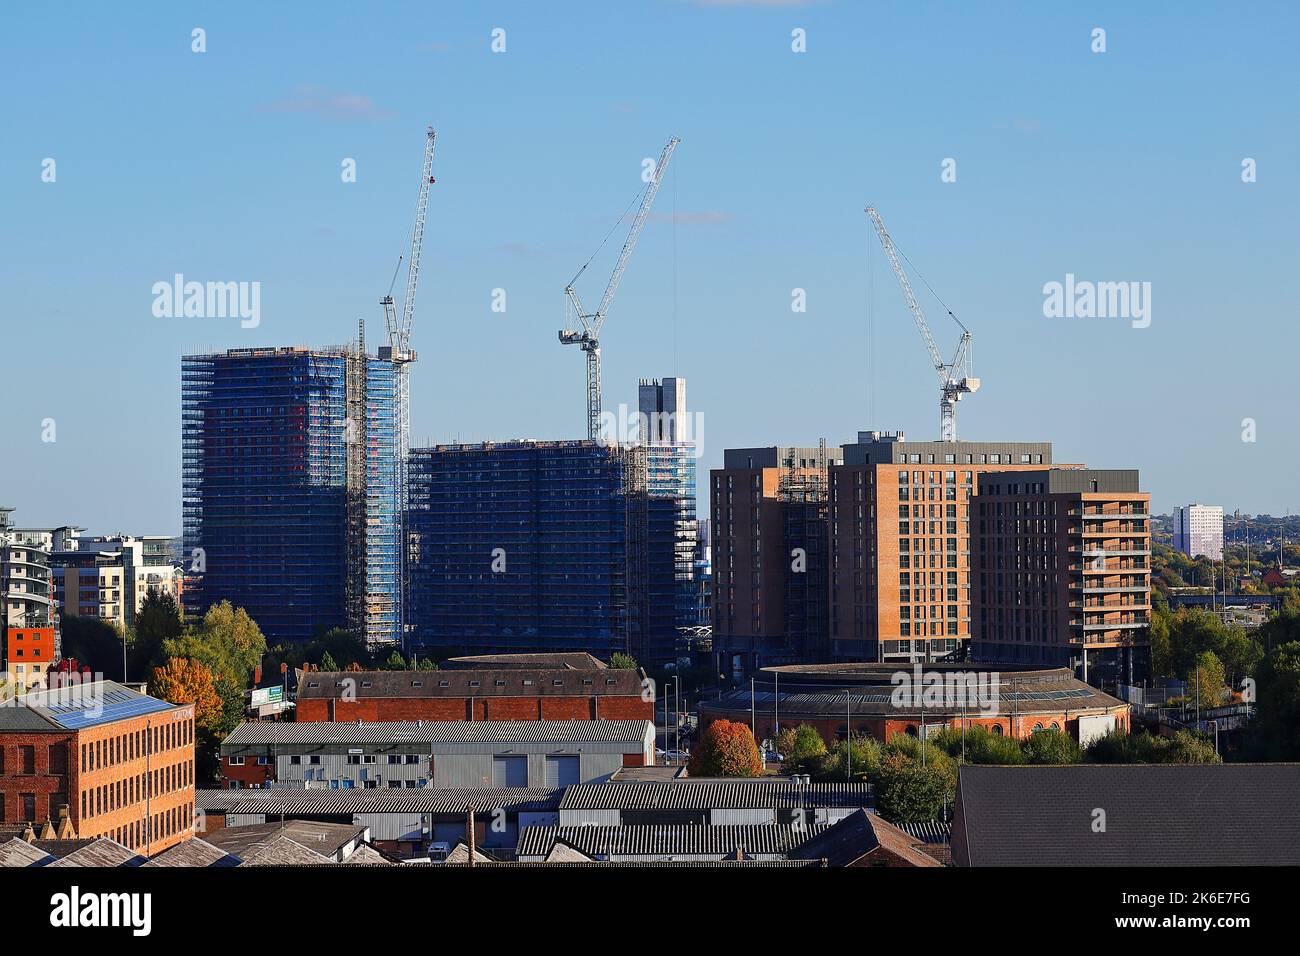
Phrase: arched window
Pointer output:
(997, 730)
(1038, 727)
(1055, 725)
(911, 731)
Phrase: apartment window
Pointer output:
(236, 761)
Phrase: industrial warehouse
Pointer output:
(402, 754)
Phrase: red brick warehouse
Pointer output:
(510, 687)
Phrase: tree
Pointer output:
(1275, 732)
(1186, 747)
(94, 643)
(395, 662)
(1207, 680)
(1162, 650)
(981, 746)
(801, 747)
(1050, 747)
(725, 749)
(158, 620)
(856, 759)
(624, 662)
(426, 664)
(185, 681)
(327, 662)
(1118, 747)
(230, 644)
(908, 792)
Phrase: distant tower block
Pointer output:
(662, 404)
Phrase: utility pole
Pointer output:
(776, 702)
(753, 722)
(469, 833)
(677, 715)
(848, 736)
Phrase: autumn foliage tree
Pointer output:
(726, 749)
(185, 681)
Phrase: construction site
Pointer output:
(305, 503)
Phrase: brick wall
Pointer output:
(22, 751)
(374, 710)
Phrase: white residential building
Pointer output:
(1198, 531)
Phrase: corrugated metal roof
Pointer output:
(931, 831)
(738, 795)
(666, 840)
(425, 800)
(437, 731)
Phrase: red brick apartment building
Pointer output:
(889, 536)
(504, 688)
(769, 599)
(1063, 560)
(122, 762)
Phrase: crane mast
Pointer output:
(588, 336)
(955, 379)
(400, 353)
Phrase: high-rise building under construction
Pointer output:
(290, 489)
(670, 441)
(527, 546)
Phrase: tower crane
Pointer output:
(588, 335)
(955, 379)
(399, 352)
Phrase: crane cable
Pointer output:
(928, 286)
(607, 235)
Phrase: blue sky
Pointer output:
(225, 166)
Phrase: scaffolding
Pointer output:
(289, 489)
(524, 545)
(805, 509)
(356, 511)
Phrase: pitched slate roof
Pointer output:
(859, 833)
(563, 853)
(665, 839)
(326, 839)
(566, 660)
(1155, 815)
(101, 852)
(460, 854)
(281, 851)
(441, 731)
(712, 795)
(367, 855)
(20, 853)
(194, 853)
